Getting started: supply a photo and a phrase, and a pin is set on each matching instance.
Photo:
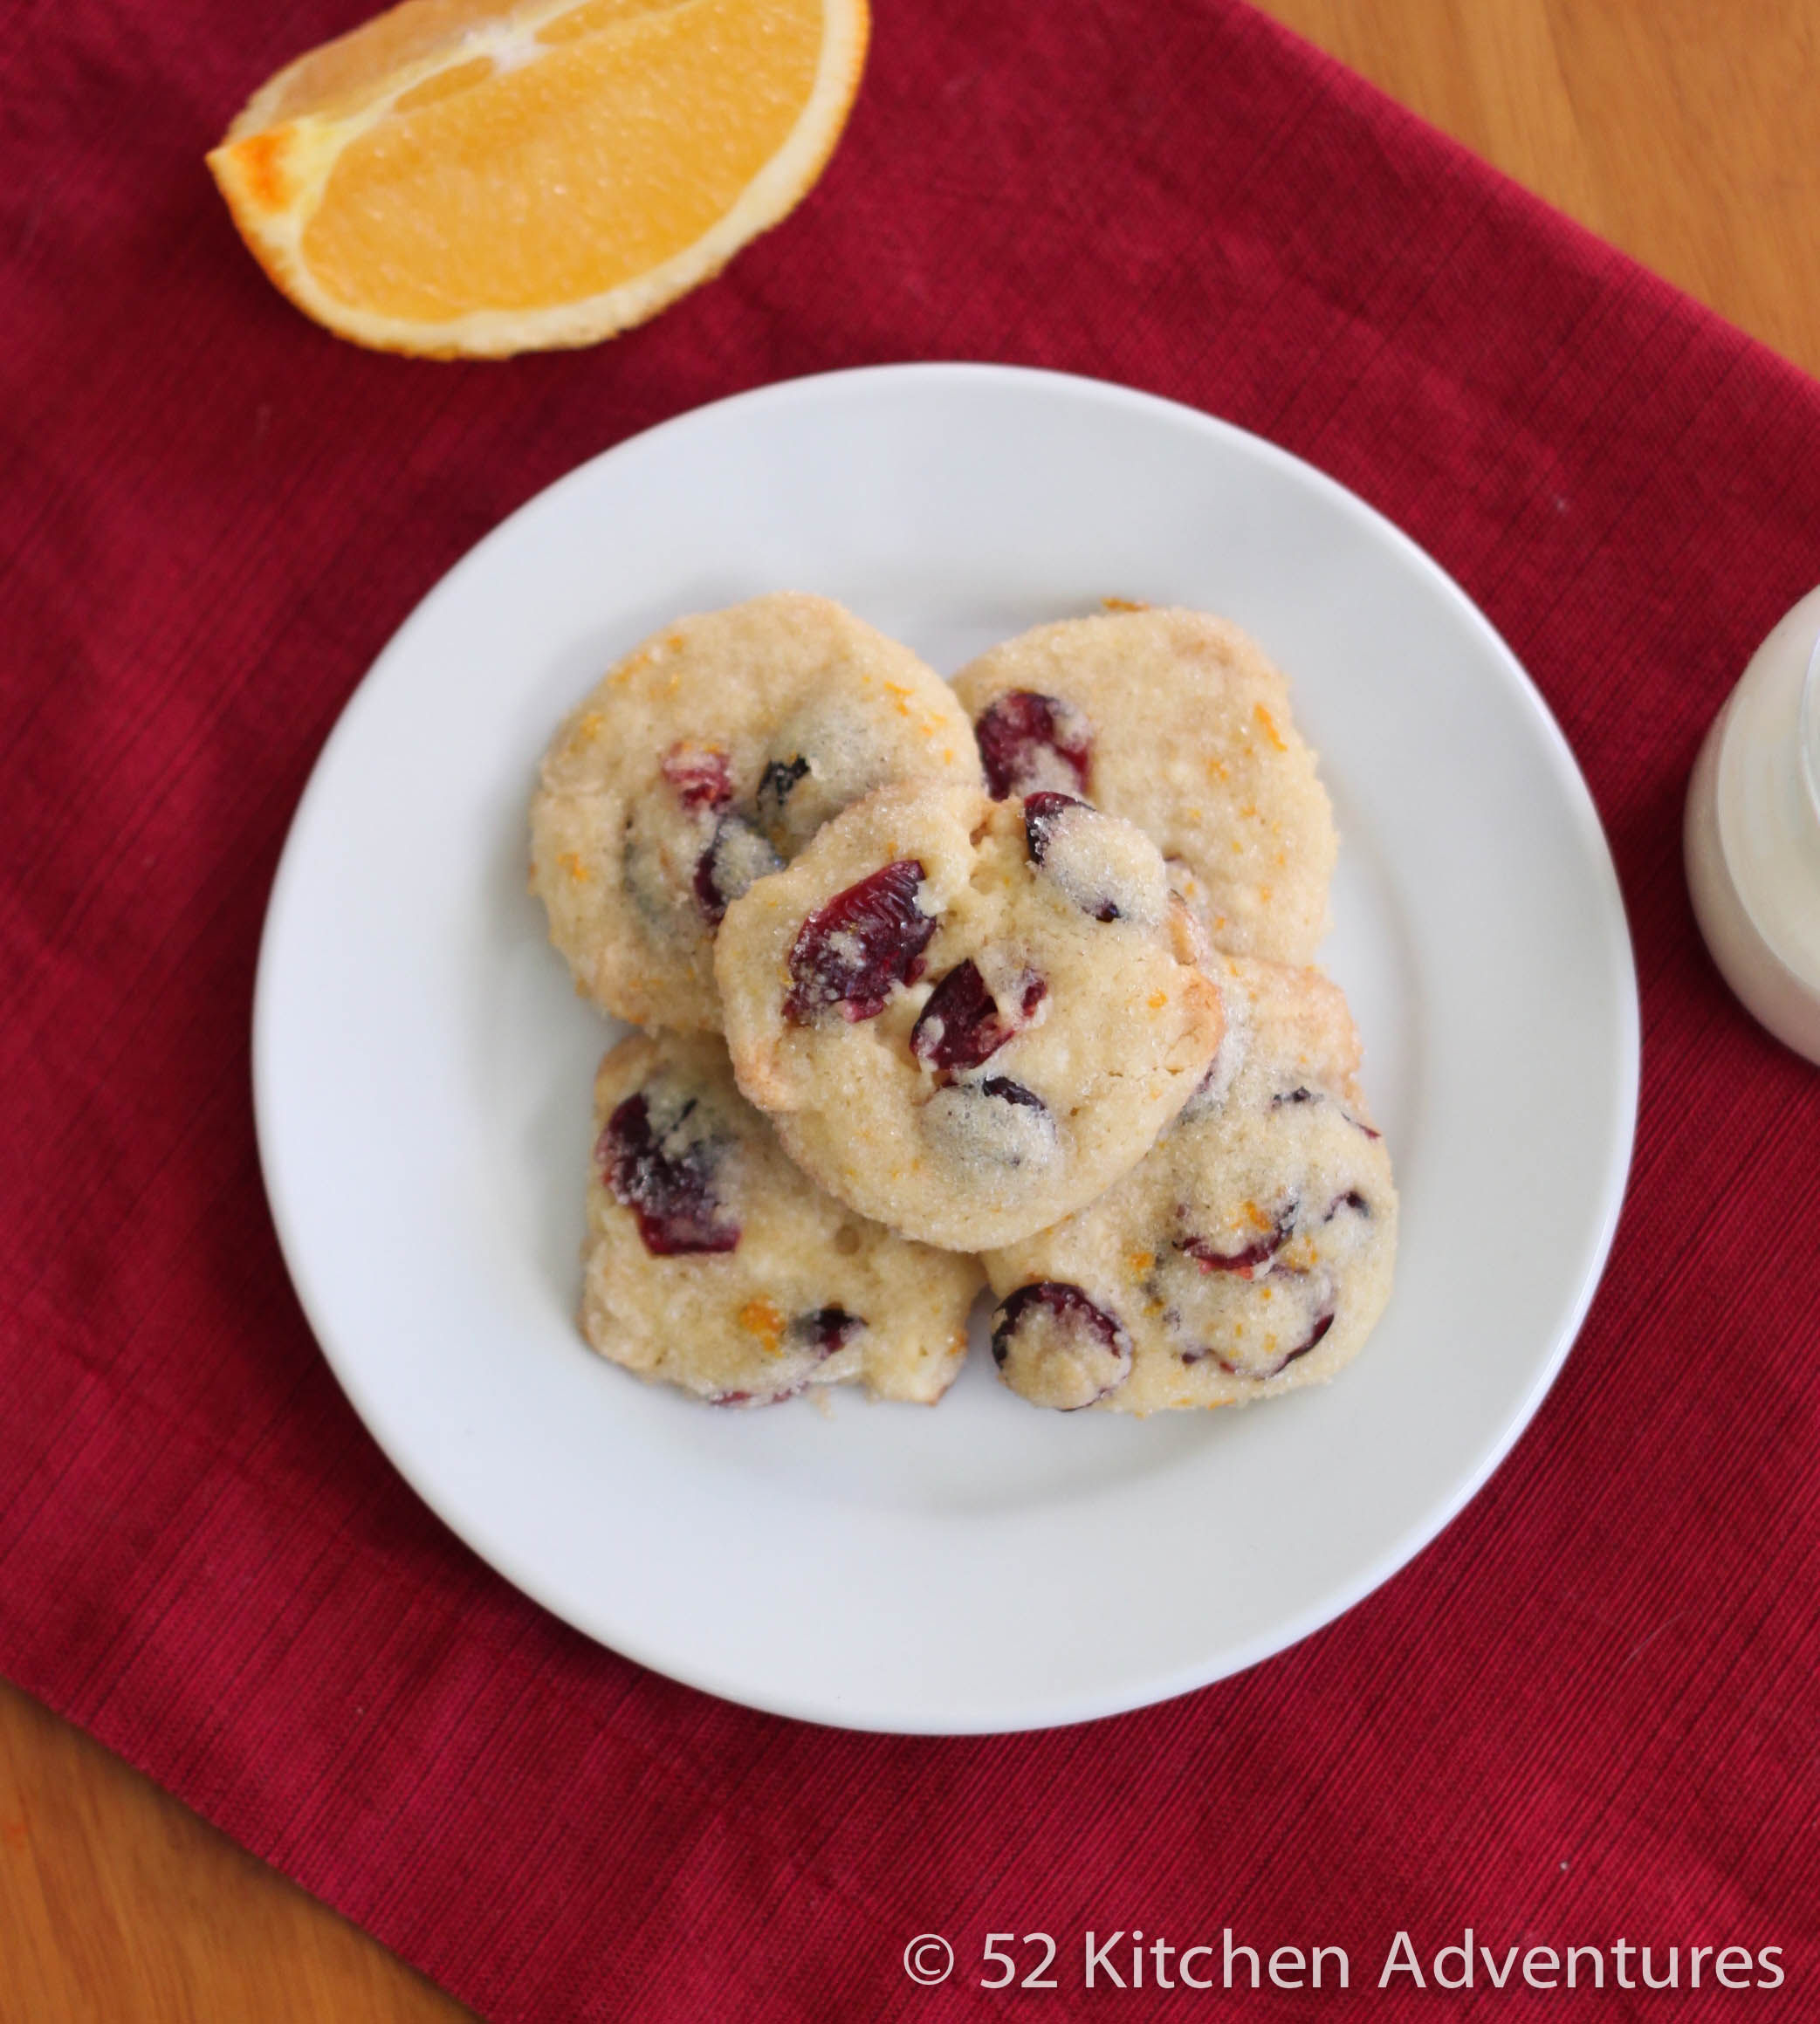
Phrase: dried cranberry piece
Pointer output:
(961, 1025)
(827, 1329)
(671, 1192)
(1350, 1199)
(1322, 1323)
(1006, 1091)
(736, 855)
(1067, 1303)
(708, 900)
(757, 1398)
(1212, 1091)
(1295, 1095)
(1041, 812)
(851, 952)
(1097, 1351)
(1019, 731)
(699, 774)
(775, 783)
(1244, 1262)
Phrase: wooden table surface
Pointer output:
(1679, 129)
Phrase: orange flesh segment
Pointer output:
(515, 192)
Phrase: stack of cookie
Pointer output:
(1010, 980)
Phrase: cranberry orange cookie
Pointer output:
(967, 1018)
(1177, 722)
(713, 1265)
(707, 758)
(1249, 1254)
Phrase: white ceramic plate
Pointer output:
(423, 1072)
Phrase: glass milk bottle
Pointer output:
(1752, 835)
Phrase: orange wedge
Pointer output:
(478, 178)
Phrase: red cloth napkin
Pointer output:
(1587, 1714)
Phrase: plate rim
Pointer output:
(1060, 1710)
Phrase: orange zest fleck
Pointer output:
(1270, 729)
(759, 1318)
